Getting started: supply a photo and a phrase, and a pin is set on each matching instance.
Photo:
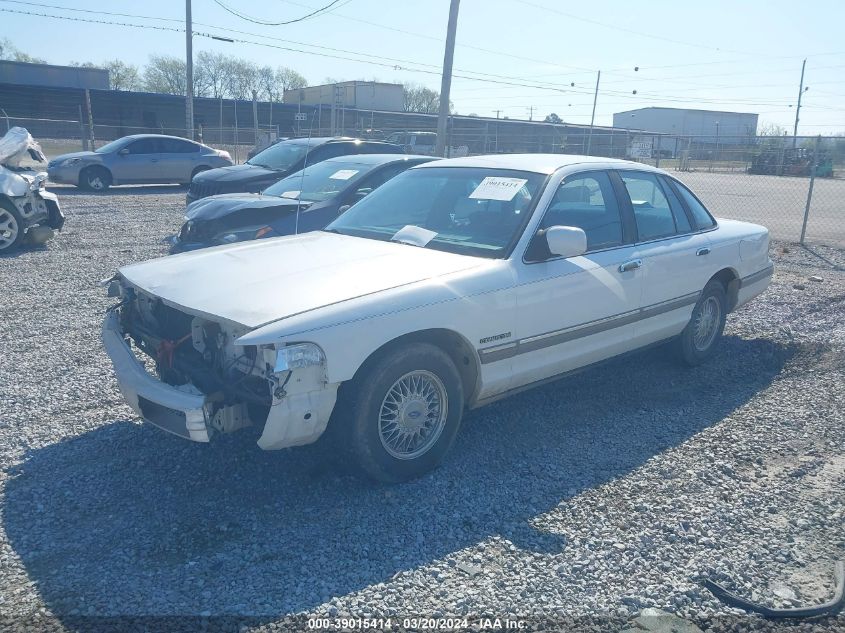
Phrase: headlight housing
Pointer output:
(244, 234)
(298, 356)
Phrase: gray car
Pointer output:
(136, 159)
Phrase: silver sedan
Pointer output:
(136, 159)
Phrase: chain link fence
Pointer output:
(793, 186)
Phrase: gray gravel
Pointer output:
(586, 501)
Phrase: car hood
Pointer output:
(214, 207)
(255, 283)
(62, 157)
(238, 173)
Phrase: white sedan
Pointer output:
(454, 284)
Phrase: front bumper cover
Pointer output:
(178, 410)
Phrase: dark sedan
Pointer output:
(278, 161)
(305, 201)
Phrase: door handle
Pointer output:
(703, 251)
(154, 160)
(630, 265)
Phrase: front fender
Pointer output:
(471, 304)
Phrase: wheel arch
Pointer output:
(729, 278)
(96, 166)
(458, 348)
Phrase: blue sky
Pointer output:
(722, 55)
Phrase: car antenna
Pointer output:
(302, 175)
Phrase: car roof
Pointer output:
(539, 163)
(178, 138)
(322, 140)
(376, 159)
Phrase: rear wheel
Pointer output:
(11, 228)
(701, 336)
(403, 413)
(95, 178)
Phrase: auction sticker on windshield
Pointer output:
(290, 194)
(343, 174)
(496, 188)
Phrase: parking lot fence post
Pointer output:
(813, 168)
(82, 134)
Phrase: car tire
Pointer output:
(701, 336)
(400, 416)
(95, 178)
(197, 170)
(11, 227)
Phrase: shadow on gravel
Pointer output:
(128, 520)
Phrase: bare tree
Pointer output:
(289, 79)
(211, 74)
(9, 51)
(421, 99)
(165, 74)
(123, 76)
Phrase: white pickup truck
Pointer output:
(454, 284)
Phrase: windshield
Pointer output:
(111, 147)
(319, 182)
(280, 156)
(466, 210)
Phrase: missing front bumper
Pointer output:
(178, 410)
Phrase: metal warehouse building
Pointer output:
(705, 126)
(53, 76)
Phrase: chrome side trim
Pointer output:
(557, 337)
(768, 271)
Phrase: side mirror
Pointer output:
(124, 152)
(566, 241)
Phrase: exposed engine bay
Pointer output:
(188, 350)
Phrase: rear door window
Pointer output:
(652, 211)
(177, 146)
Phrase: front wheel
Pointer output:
(11, 228)
(701, 336)
(404, 412)
(95, 179)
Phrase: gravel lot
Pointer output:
(587, 500)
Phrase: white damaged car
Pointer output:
(29, 214)
(454, 284)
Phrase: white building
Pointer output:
(363, 95)
(703, 126)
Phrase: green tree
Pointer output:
(552, 118)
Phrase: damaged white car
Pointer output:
(29, 214)
(455, 283)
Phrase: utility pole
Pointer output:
(189, 74)
(446, 79)
(798, 108)
(593, 118)
(497, 113)
(530, 113)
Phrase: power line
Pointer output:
(264, 23)
(631, 31)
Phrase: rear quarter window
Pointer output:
(701, 216)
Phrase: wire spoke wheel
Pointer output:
(9, 229)
(413, 414)
(706, 324)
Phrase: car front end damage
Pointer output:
(29, 214)
(186, 374)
